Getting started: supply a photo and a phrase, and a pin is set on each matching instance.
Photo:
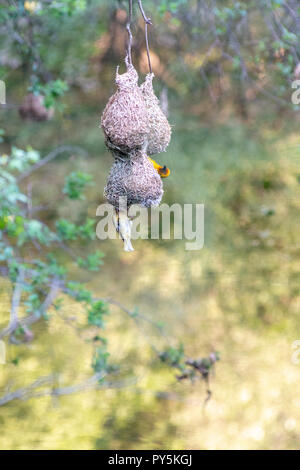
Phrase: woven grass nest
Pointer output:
(134, 127)
(136, 179)
(125, 120)
(159, 129)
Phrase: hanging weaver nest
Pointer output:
(160, 131)
(33, 108)
(136, 179)
(133, 124)
(125, 120)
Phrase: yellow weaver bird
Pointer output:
(163, 171)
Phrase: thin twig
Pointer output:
(26, 393)
(147, 22)
(50, 297)
(16, 298)
(92, 382)
(34, 317)
(53, 154)
(29, 199)
(128, 27)
(59, 285)
(23, 393)
(146, 19)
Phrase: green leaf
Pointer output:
(79, 292)
(87, 230)
(100, 359)
(96, 312)
(75, 183)
(92, 262)
(66, 230)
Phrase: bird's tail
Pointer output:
(123, 227)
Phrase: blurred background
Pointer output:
(224, 72)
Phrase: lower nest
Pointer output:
(134, 179)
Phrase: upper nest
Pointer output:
(125, 120)
(159, 129)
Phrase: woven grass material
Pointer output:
(160, 130)
(125, 119)
(134, 178)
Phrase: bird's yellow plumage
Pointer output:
(163, 171)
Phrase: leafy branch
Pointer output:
(39, 281)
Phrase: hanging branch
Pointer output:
(53, 154)
(16, 298)
(128, 25)
(147, 22)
